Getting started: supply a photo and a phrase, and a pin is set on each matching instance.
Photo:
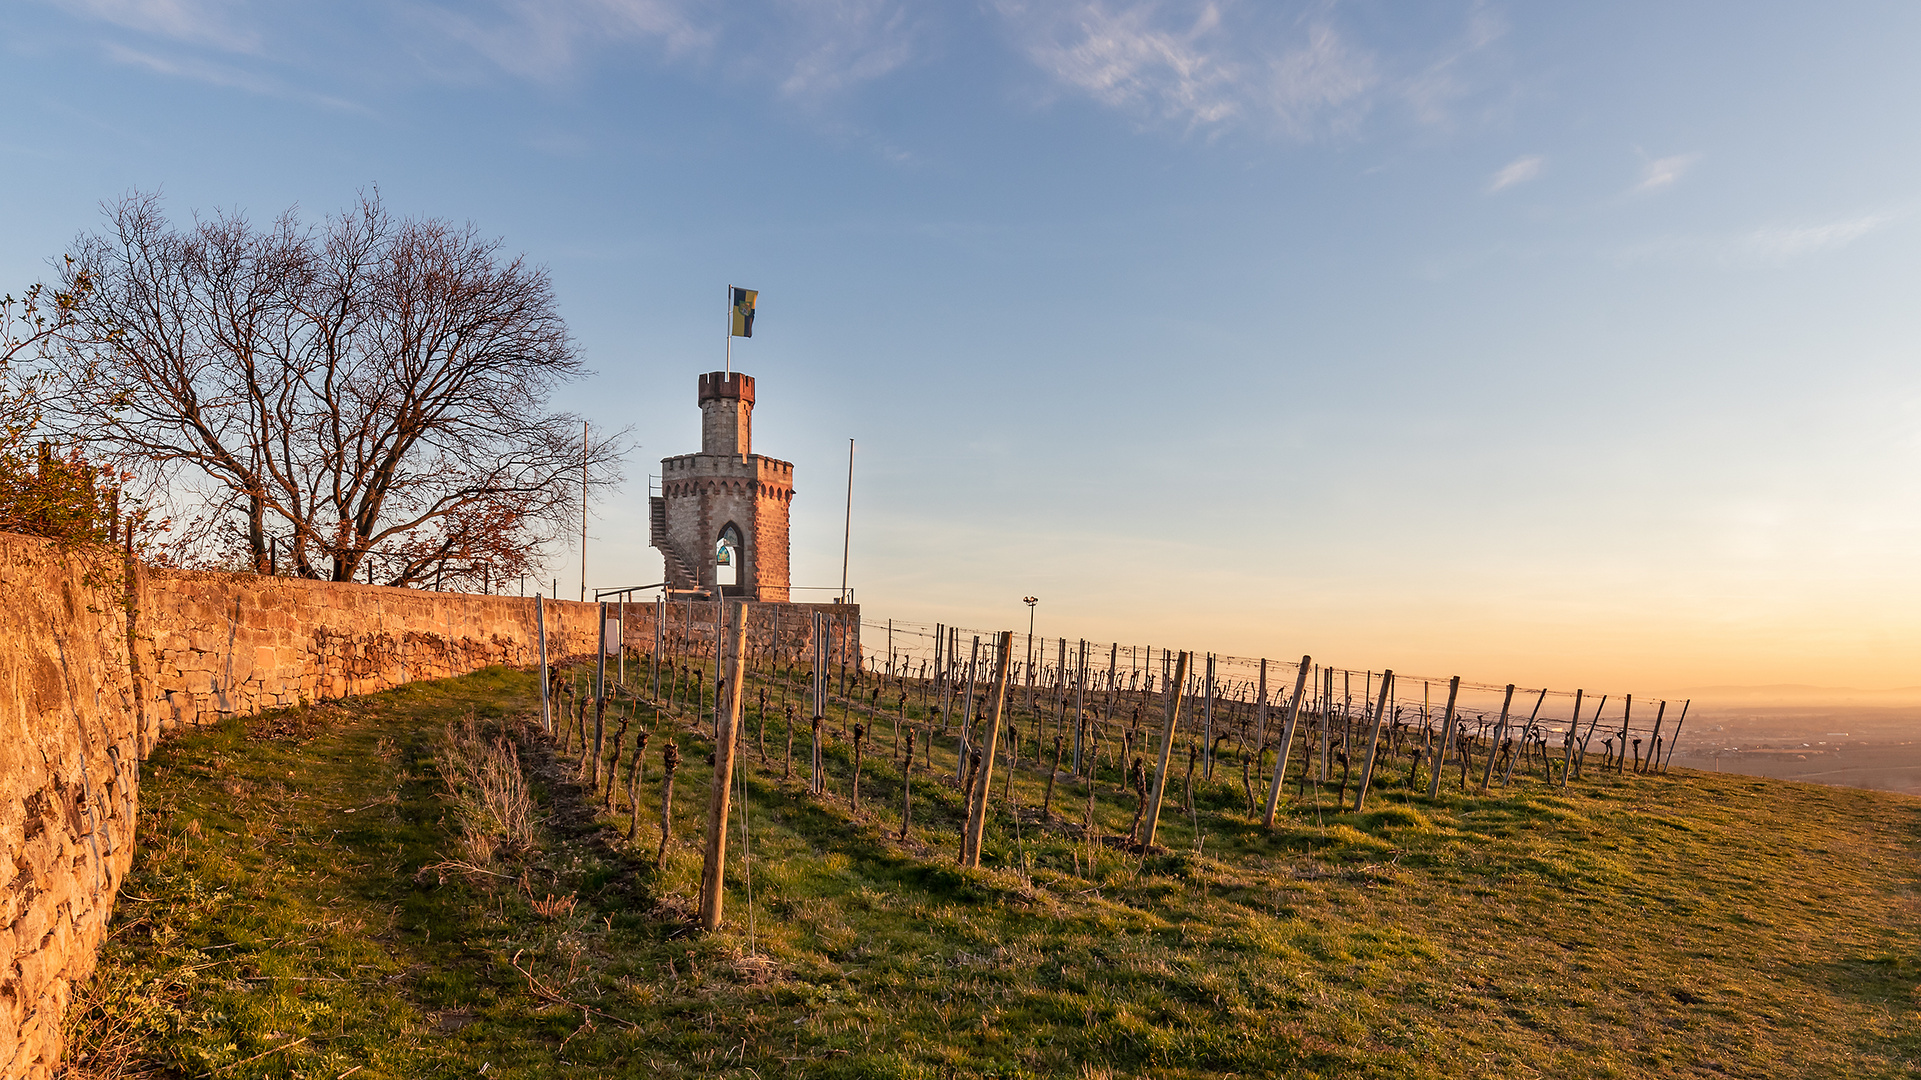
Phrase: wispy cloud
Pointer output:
(224, 75)
(218, 23)
(804, 49)
(548, 41)
(1435, 91)
(1323, 81)
(1663, 172)
(1130, 57)
(1518, 171)
(1768, 246)
(1776, 244)
(1211, 63)
(835, 44)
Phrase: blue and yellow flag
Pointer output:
(744, 312)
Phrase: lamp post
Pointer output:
(1030, 601)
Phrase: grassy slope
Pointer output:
(1695, 924)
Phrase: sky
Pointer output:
(1569, 345)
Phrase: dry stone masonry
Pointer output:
(89, 681)
(96, 666)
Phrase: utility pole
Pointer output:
(583, 511)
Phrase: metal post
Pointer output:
(600, 666)
(1207, 726)
(540, 632)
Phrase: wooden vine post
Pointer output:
(1287, 743)
(1527, 733)
(1580, 759)
(984, 781)
(1260, 709)
(1494, 744)
(1654, 742)
(1113, 659)
(1627, 713)
(1669, 756)
(1173, 719)
(725, 744)
(1573, 733)
(1447, 733)
(1374, 740)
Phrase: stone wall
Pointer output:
(212, 645)
(92, 675)
(783, 633)
(69, 772)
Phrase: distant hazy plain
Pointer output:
(1865, 746)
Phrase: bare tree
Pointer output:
(30, 322)
(363, 398)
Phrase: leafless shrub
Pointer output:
(110, 1022)
(487, 787)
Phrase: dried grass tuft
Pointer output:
(488, 788)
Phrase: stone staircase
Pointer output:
(679, 574)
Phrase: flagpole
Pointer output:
(730, 331)
(847, 535)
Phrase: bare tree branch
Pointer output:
(369, 395)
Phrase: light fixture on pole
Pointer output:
(1030, 601)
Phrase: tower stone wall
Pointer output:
(726, 483)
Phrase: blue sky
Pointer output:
(1561, 345)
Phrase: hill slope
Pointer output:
(307, 904)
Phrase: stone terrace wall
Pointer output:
(79, 711)
(214, 645)
(89, 682)
(69, 772)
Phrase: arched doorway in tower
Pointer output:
(728, 553)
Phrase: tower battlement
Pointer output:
(718, 384)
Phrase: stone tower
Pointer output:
(727, 497)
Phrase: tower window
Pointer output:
(727, 555)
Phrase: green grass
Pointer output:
(285, 904)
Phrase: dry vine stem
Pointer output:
(669, 763)
(906, 781)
